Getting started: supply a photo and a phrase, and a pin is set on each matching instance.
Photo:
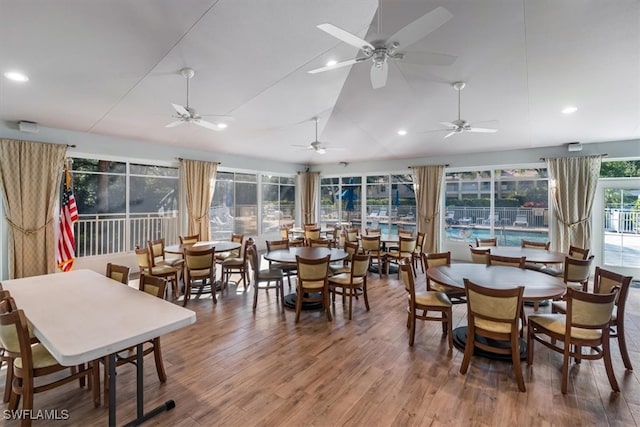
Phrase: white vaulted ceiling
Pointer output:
(112, 68)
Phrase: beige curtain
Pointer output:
(199, 178)
(308, 183)
(572, 181)
(427, 181)
(30, 175)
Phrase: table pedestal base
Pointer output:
(290, 302)
(460, 340)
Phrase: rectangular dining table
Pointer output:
(81, 316)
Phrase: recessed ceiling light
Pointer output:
(569, 110)
(222, 125)
(16, 76)
(402, 132)
(331, 63)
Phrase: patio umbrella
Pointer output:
(348, 198)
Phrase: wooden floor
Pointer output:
(239, 368)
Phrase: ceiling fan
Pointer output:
(316, 145)
(186, 114)
(380, 50)
(459, 125)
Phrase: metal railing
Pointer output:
(520, 217)
(622, 220)
(102, 234)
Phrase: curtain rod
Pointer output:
(601, 155)
(181, 159)
(71, 145)
(445, 165)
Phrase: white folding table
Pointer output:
(80, 316)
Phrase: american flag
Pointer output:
(65, 251)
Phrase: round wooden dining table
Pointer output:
(289, 256)
(537, 287)
(538, 256)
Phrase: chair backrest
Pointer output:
(313, 270)
(487, 242)
(119, 273)
(508, 261)
(359, 265)
(588, 311)
(352, 234)
(312, 234)
(188, 240)
(405, 233)
(14, 333)
(199, 259)
(319, 243)
(284, 233)
(143, 259)
(479, 256)
(152, 285)
(351, 249)
(156, 249)
(496, 305)
(252, 256)
(535, 245)
(310, 225)
(237, 238)
(437, 258)
(406, 274)
(370, 244)
(274, 245)
(605, 282)
(407, 244)
(577, 270)
(372, 231)
(576, 252)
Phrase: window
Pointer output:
(278, 202)
(510, 204)
(115, 216)
(234, 208)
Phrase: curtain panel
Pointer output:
(309, 184)
(427, 182)
(199, 179)
(30, 175)
(573, 182)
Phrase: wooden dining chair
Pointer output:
(154, 286)
(34, 369)
(119, 273)
(289, 269)
(535, 245)
(351, 284)
(418, 251)
(493, 324)
(146, 265)
(265, 279)
(479, 256)
(352, 234)
(200, 266)
(311, 234)
(421, 303)
(585, 324)
(435, 259)
(319, 243)
(344, 267)
(406, 247)
(312, 284)
(371, 246)
(238, 265)
(158, 256)
(578, 252)
(605, 282)
(235, 253)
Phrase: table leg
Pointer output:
(112, 389)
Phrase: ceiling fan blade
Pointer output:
(207, 125)
(219, 117)
(338, 65)
(379, 75)
(174, 124)
(428, 58)
(448, 124)
(481, 130)
(345, 36)
(320, 150)
(449, 134)
(180, 110)
(420, 28)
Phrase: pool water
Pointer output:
(505, 237)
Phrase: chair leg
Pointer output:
(468, 350)
(8, 381)
(365, 295)
(327, 308)
(281, 284)
(530, 344)
(515, 357)
(622, 343)
(298, 305)
(565, 367)
(412, 327)
(187, 292)
(449, 315)
(350, 300)
(157, 355)
(608, 365)
(95, 378)
(255, 295)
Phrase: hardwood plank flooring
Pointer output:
(235, 367)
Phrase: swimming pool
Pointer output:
(506, 237)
